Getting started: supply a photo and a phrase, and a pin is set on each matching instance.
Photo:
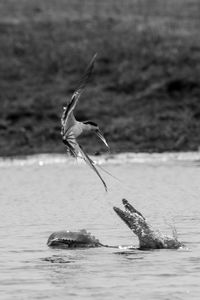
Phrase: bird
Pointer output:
(71, 129)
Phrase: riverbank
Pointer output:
(144, 92)
(166, 158)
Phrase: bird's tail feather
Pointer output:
(116, 178)
(91, 164)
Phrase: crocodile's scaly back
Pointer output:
(72, 239)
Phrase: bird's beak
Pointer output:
(100, 135)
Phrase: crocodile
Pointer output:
(148, 238)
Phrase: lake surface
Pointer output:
(42, 194)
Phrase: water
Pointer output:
(43, 194)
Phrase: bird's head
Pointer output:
(91, 126)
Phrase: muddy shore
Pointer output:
(144, 92)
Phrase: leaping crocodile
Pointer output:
(148, 238)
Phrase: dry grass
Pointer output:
(145, 89)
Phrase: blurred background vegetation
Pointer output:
(145, 89)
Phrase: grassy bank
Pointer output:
(145, 90)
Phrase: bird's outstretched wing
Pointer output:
(68, 120)
(68, 109)
(76, 151)
(70, 141)
(91, 164)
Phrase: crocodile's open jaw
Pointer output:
(124, 215)
(128, 214)
(137, 224)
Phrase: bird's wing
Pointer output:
(91, 164)
(70, 141)
(67, 118)
(76, 151)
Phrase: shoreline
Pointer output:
(144, 91)
(120, 158)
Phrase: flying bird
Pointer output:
(71, 129)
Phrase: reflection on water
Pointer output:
(43, 194)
